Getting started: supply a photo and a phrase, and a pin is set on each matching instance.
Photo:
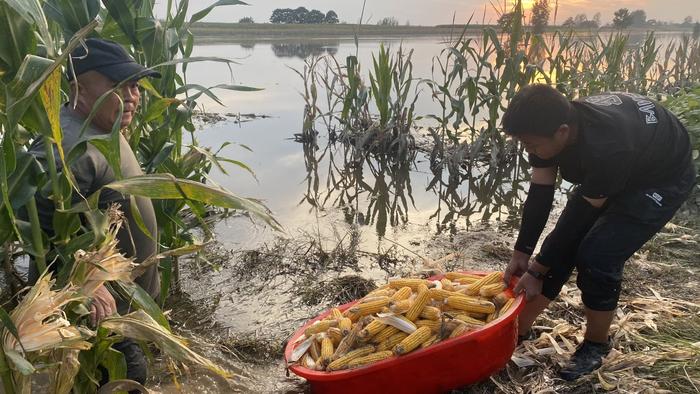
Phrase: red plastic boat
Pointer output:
(439, 368)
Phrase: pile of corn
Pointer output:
(400, 317)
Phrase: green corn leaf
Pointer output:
(143, 300)
(203, 13)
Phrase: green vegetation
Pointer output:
(302, 15)
(40, 35)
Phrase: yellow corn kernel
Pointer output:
(402, 294)
(492, 289)
(460, 275)
(469, 320)
(384, 334)
(506, 307)
(433, 339)
(400, 307)
(371, 307)
(501, 299)
(370, 358)
(434, 325)
(319, 326)
(335, 314)
(342, 362)
(326, 350)
(412, 341)
(392, 341)
(380, 293)
(345, 325)
(371, 329)
(447, 284)
(471, 304)
(412, 283)
(348, 342)
(465, 281)
(441, 294)
(335, 334)
(494, 277)
(419, 303)
(430, 313)
(461, 329)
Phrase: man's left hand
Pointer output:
(530, 285)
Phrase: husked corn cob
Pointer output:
(326, 350)
(335, 334)
(412, 341)
(459, 275)
(402, 294)
(419, 303)
(501, 299)
(372, 329)
(469, 320)
(315, 350)
(384, 334)
(466, 280)
(470, 304)
(392, 341)
(494, 277)
(319, 326)
(342, 362)
(430, 313)
(461, 329)
(372, 299)
(433, 339)
(336, 314)
(491, 317)
(371, 307)
(380, 293)
(441, 294)
(434, 325)
(369, 359)
(492, 289)
(400, 307)
(447, 284)
(506, 307)
(345, 325)
(412, 283)
(353, 316)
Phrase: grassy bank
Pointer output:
(212, 32)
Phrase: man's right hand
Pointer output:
(517, 266)
(103, 305)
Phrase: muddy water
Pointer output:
(348, 225)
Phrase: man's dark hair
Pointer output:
(537, 110)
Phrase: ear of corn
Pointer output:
(447, 284)
(474, 288)
(434, 325)
(336, 314)
(461, 329)
(430, 313)
(400, 307)
(381, 293)
(402, 294)
(345, 325)
(371, 307)
(506, 307)
(348, 342)
(384, 334)
(471, 305)
(326, 350)
(392, 341)
(469, 320)
(315, 349)
(369, 359)
(412, 283)
(335, 334)
(371, 329)
(412, 341)
(419, 303)
(342, 362)
(441, 294)
(492, 289)
(320, 326)
(459, 275)
(433, 339)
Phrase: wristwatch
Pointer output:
(536, 274)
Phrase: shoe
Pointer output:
(587, 358)
(528, 336)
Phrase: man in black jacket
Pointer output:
(631, 160)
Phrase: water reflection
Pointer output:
(377, 190)
(304, 49)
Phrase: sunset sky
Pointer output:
(432, 12)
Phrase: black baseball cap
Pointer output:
(109, 59)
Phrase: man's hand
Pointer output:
(102, 305)
(530, 285)
(517, 266)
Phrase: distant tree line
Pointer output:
(303, 15)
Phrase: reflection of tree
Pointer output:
(305, 49)
(248, 45)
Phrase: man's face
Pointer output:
(92, 85)
(546, 147)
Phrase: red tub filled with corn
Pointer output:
(410, 336)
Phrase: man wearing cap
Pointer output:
(96, 68)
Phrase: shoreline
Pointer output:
(212, 32)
